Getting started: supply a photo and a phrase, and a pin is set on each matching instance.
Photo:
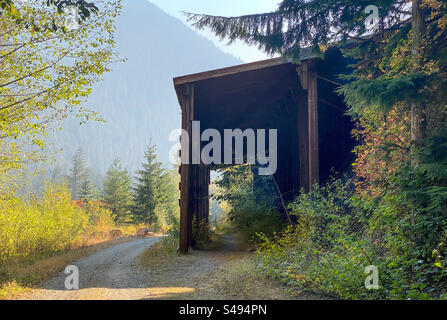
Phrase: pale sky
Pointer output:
(222, 8)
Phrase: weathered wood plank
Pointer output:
(303, 138)
(305, 54)
(303, 70)
(204, 193)
(312, 98)
(185, 239)
(229, 71)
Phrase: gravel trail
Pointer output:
(114, 274)
(109, 274)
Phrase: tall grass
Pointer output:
(39, 236)
(33, 227)
(45, 225)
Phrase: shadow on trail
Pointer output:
(114, 273)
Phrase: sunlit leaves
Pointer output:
(46, 73)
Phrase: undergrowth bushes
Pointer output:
(339, 233)
(40, 226)
(247, 221)
(249, 201)
(52, 223)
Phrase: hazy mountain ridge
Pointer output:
(137, 99)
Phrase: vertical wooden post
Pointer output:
(312, 103)
(184, 241)
(206, 193)
(186, 174)
(200, 199)
(203, 193)
(303, 134)
(303, 127)
(192, 202)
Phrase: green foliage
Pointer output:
(421, 193)
(170, 216)
(154, 193)
(298, 23)
(217, 214)
(87, 189)
(168, 208)
(50, 224)
(79, 180)
(383, 92)
(338, 234)
(47, 73)
(201, 233)
(250, 201)
(172, 224)
(204, 236)
(325, 250)
(32, 227)
(100, 218)
(86, 8)
(118, 192)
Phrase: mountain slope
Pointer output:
(137, 98)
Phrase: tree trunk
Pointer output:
(418, 125)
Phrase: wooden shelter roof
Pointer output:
(238, 73)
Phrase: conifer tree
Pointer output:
(78, 175)
(148, 192)
(398, 90)
(118, 192)
(402, 61)
(87, 189)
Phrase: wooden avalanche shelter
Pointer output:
(314, 134)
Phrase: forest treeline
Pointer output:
(73, 210)
(147, 197)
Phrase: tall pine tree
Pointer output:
(78, 175)
(403, 61)
(117, 192)
(87, 190)
(149, 189)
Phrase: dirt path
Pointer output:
(194, 276)
(224, 274)
(108, 274)
(115, 274)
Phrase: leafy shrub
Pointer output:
(44, 225)
(249, 221)
(172, 224)
(35, 226)
(324, 251)
(204, 237)
(338, 234)
(250, 201)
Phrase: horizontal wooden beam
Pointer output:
(229, 71)
(306, 54)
